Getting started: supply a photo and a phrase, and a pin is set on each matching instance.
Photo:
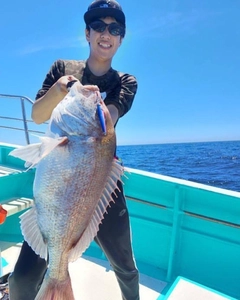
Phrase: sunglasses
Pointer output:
(114, 29)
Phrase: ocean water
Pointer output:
(212, 163)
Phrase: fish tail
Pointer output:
(53, 289)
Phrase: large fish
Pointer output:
(72, 189)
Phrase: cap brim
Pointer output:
(98, 13)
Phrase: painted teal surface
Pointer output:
(8, 160)
(178, 228)
(10, 230)
(172, 287)
(186, 230)
(4, 262)
(14, 185)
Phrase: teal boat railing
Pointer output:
(182, 228)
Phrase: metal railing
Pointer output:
(23, 117)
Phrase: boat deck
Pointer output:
(93, 279)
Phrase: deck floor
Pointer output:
(92, 279)
(96, 281)
(183, 289)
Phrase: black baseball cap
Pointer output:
(104, 8)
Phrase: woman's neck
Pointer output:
(98, 68)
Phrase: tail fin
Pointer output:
(52, 289)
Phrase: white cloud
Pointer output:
(50, 43)
(171, 23)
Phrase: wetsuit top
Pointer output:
(120, 88)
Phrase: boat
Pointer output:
(185, 235)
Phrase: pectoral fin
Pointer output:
(33, 153)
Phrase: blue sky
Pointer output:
(184, 54)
